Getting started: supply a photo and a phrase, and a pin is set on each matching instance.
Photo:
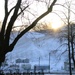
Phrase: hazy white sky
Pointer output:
(50, 17)
(2, 9)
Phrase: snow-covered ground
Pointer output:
(34, 45)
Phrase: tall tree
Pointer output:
(69, 30)
(6, 29)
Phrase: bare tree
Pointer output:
(6, 29)
(68, 32)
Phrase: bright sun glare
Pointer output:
(56, 24)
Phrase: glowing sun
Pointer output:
(56, 24)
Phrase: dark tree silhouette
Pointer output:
(6, 29)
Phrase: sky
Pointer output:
(53, 18)
(41, 10)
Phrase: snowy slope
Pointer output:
(34, 45)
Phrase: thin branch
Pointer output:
(59, 17)
(22, 10)
(11, 22)
(6, 6)
(61, 45)
(11, 10)
(65, 7)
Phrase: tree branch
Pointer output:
(11, 22)
(33, 24)
(11, 10)
(22, 10)
(6, 6)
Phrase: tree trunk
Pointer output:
(72, 46)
